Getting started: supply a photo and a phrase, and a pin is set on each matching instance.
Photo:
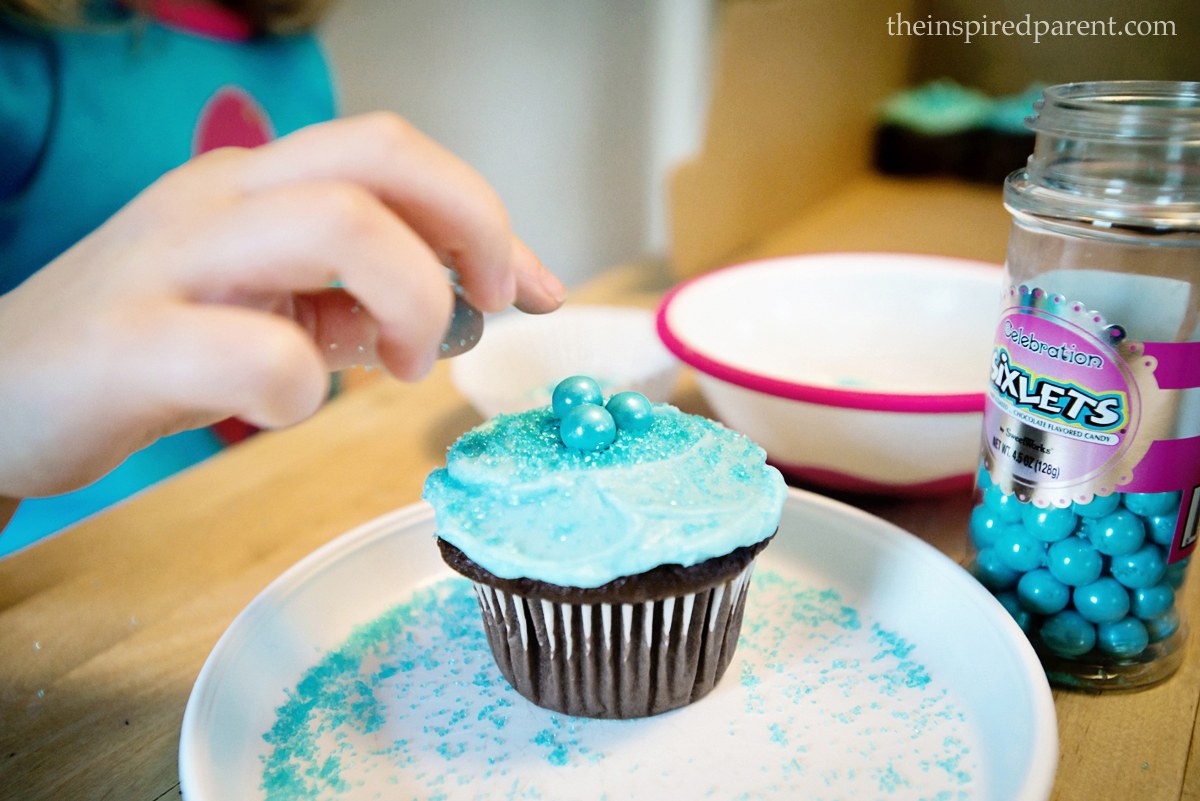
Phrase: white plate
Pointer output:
(870, 665)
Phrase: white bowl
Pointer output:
(862, 372)
(521, 357)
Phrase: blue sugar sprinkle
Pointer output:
(558, 754)
(897, 647)
(804, 663)
(452, 751)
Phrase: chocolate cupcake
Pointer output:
(942, 128)
(935, 129)
(611, 571)
(1009, 143)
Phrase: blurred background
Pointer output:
(578, 113)
(640, 142)
(573, 111)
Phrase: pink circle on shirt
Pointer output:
(231, 118)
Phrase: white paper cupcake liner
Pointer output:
(520, 358)
(615, 660)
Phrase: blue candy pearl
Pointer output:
(588, 428)
(1012, 605)
(1120, 533)
(575, 391)
(984, 526)
(1127, 637)
(1018, 549)
(1073, 561)
(1142, 568)
(1149, 602)
(1148, 504)
(1099, 506)
(1049, 525)
(983, 480)
(1161, 528)
(1006, 507)
(631, 411)
(1068, 634)
(1161, 627)
(1102, 601)
(1177, 572)
(993, 573)
(1040, 592)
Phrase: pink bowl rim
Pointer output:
(936, 403)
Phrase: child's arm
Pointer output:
(206, 296)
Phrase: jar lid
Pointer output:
(1114, 153)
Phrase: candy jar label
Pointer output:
(1063, 407)
(1075, 411)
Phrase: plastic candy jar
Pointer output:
(1089, 488)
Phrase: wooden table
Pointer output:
(104, 628)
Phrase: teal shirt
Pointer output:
(91, 117)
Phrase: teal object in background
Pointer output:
(1008, 113)
(39, 517)
(942, 128)
(938, 108)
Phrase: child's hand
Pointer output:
(206, 296)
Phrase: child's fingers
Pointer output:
(344, 332)
(538, 290)
(439, 196)
(301, 237)
(231, 361)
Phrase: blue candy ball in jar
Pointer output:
(1085, 509)
(1125, 637)
(1041, 593)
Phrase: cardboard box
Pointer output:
(785, 165)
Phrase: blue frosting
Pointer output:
(519, 503)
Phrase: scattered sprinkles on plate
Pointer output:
(819, 703)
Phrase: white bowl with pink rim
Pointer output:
(859, 372)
